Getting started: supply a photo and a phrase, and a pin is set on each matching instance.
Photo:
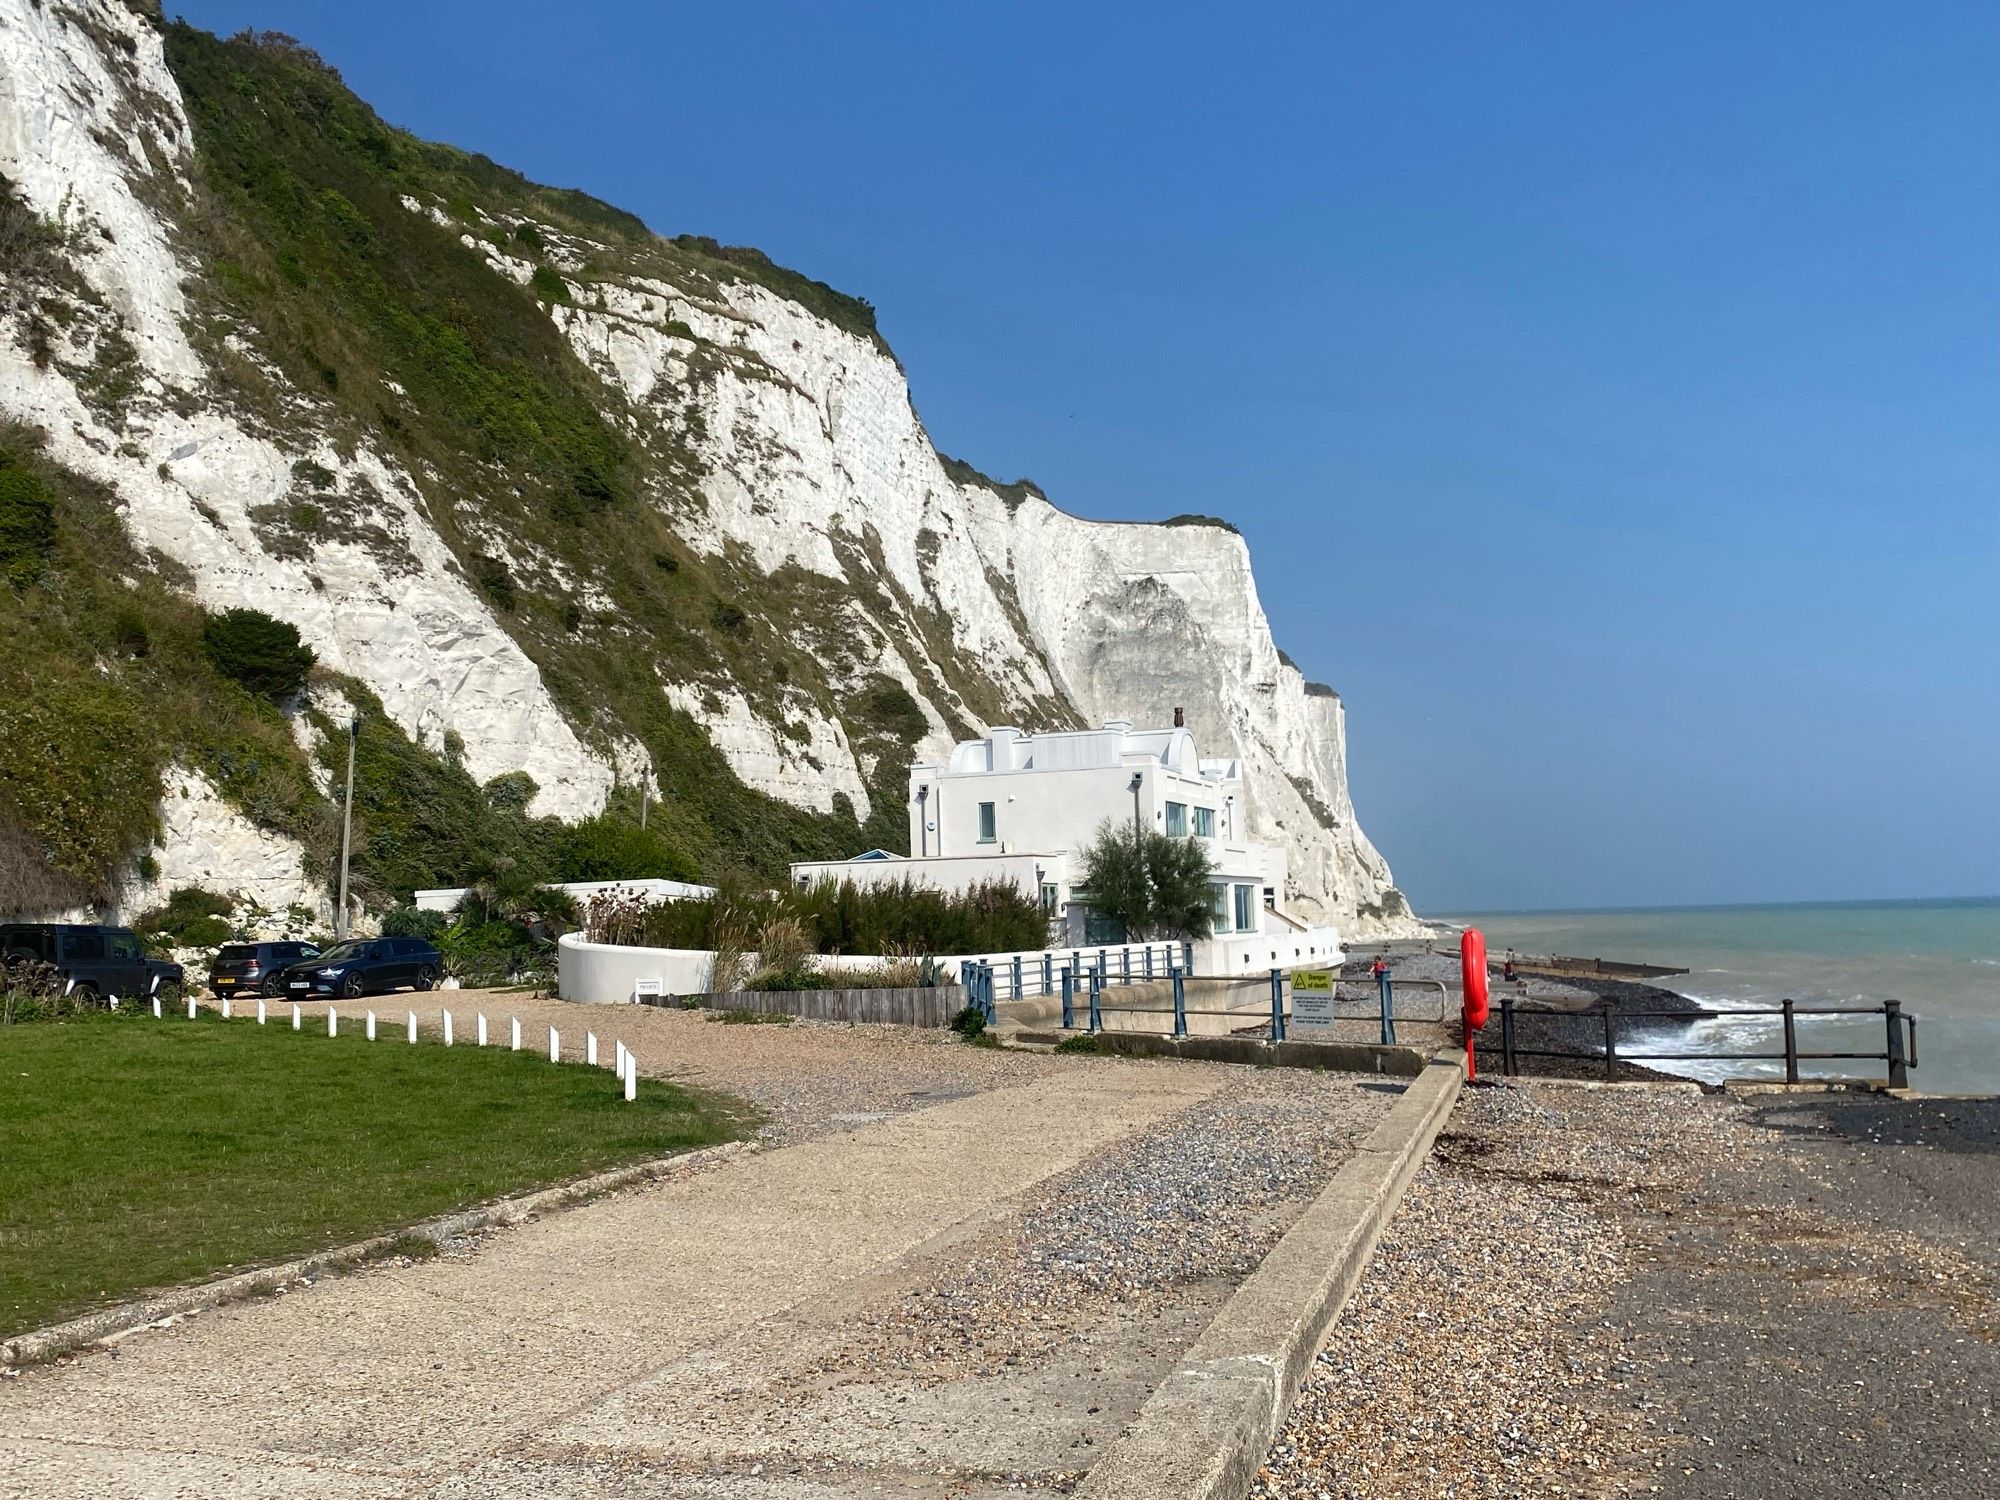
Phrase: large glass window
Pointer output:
(1243, 911)
(1218, 903)
(987, 831)
(1204, 822)
(1049, 898)
(1176, 820)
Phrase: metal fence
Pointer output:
(1087, 990)
(1899, 1053)
(1019, 976)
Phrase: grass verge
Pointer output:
(142, 1154)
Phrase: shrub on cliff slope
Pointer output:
(608, 848)
(191, 918)
(265, 655)
(27, 524)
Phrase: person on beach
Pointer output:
(1507, 969)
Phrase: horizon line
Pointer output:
(1587, 911)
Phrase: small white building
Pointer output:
(1022, 807)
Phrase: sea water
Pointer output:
(1940, 958)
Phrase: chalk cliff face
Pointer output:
(846, 598)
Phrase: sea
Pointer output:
(1941, 958)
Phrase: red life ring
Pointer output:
(1472, 960)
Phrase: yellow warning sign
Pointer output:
(1312, 981)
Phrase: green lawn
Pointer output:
(137, 1153)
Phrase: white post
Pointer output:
(190, 1007)
(482, 1028)
(590, 1048)
(156, 1007)
(447, 1028)
(413, 1028)
(618, 1059)
(517, 1032)
(114, 1001)
(371, 1025)
(631, 1078)
(332, 1021)
(555, 1045)
(260, 1012)
(296, 1022)
(225, 1005)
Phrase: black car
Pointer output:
(366, 966)
(252, 968)
(95, 960)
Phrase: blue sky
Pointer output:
(1610, 394)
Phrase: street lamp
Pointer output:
(1138, 780)
(347, 826)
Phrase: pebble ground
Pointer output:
(1652, 1291)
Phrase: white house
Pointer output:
(1021, 808)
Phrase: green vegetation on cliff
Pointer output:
(414, 341)
(406, 291)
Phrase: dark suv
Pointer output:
(252, 968)
(365, 966)
(96, 960)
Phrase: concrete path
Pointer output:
(559, 1358)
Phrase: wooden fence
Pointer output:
(934, 1005)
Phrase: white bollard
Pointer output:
(190, 1007)
(225, 1005)
(590, 1048)
(482, 1028)
(517, 1032)
(114, 1001)
(618, 1057)
(296, 1021)
(156, 1007)
(413, 1028)
(555, 1045)
(371, 1025)
(447, 1028)
(631, 1078)
(332, 1021)
(260, 1012)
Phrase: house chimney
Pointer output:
(1180, 717)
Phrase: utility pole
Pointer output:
(347, 825)
(643, 790)
(1137, 781)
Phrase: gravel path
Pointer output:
(1596, 1291)
(804, 1079)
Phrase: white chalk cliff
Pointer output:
(983, 605)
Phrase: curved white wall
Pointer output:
(605, 974)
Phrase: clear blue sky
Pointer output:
(1610, 394)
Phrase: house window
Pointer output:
(986, 827)
(1176, 820)
(1243, 922)
(1204, 822)
(1048, 898)
(1218, 906)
